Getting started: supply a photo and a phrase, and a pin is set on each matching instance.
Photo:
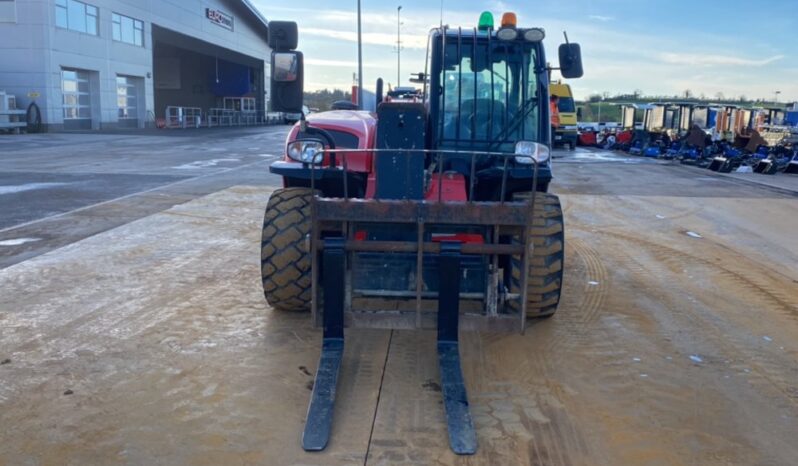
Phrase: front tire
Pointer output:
(545, 275)
(285, 261)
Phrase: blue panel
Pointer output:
(233, 80)
(712, 117)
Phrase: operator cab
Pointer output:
(487, 90)
(484, 93)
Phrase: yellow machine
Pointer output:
(566, 133)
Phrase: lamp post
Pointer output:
(777, 96)
(398, 46)
(359, 61)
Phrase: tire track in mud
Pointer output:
(583, 341)
(521, 413)
(587, 284)
(622, 381)
(521, 407)
(676, 260)
(763, 371)
(595, 286)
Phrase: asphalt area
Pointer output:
(143, 337)
(56, 189)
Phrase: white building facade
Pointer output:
(98, 64)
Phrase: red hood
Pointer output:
(356, 122)
(359, 123)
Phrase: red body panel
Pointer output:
(452, 186)
(364, 126)
(624, 137)
(587, 138)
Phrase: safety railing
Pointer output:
(221, 117)
(183, 117)
(193, 117)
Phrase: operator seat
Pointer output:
(479, 110)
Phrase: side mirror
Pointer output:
(287, 82)
(570, 61)
(285, 66)
(578, 113)
(283, 35)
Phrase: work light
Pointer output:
(534, 35)
(307, 151)
(527, 151)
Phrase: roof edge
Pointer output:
(256, 12)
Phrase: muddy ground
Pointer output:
(676, 342)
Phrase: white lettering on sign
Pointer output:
(220, 19)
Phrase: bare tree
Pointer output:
(687, 93)
(720, 97)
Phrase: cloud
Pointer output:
(413, 41)
(342, 63)
(616, 59)
(698, 59)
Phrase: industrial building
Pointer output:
(100, 64)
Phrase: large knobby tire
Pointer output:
(544, 279)
(285, 261)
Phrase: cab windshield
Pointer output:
(488, 93)
(566, 105)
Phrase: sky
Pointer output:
(735, 47)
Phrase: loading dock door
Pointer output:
(191, 73)
(76, 92)
(128, 93)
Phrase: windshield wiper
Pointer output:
(513, 125)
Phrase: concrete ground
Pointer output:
(56, 189)
(150, 342)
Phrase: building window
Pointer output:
(77, 94)
(127, 30)
(127, 97)
(76, 16)
(8, 11)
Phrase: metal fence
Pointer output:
(193, 117)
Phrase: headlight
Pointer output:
(534, 35)
(507, 34)
(307, 151)
(527, 151)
